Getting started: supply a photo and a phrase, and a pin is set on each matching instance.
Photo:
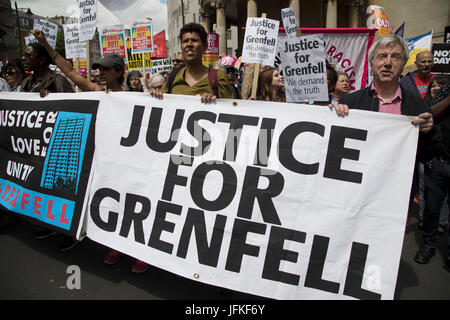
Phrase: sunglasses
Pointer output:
(178, 60)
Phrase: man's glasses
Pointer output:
(178, 60)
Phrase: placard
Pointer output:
(260, 41)
(50, 30)
(304, 68)
(87, 19)
(112, 40)
(211, 55)
(142, 37)
(289, 22)
(74, 47)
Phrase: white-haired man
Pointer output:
(387, 57)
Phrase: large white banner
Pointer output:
(280, 200)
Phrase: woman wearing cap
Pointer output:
(111, 68)
(112, 72)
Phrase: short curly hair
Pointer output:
(195, 27)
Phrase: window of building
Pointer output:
(229, 51)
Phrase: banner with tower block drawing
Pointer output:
(46, 149)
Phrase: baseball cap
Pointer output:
(109, 60)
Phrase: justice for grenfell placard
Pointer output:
(260, 41)
(304, 68)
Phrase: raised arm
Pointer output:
(65, 65)
(439, 108)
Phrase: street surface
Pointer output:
(34, 269)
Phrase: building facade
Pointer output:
(223, 15)
(192, 11)
(8, 46)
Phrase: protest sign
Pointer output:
(159, 45)
(112, 40)
(74, 47)
(142, 37)
(441, 57)
(46, 150)
(160, 65)
(347, 48)
(50, 30)
(304, 68)
(29, 39)
(87, 19)
(280, 204)
(260, 41)
(211, 54)
(289, 22)
(379, 20)
(228, 60)
(136, 61)
(82, 67)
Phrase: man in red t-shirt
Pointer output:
(418, 81)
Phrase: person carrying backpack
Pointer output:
(195, 78)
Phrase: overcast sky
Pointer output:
(155, 9)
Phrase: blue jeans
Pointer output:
(435, 193)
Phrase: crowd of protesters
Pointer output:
(420, 94)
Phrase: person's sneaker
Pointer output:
(44, 233)
(112, 257)
(139, 267)
(67, 244)
(424, 255)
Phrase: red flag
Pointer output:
(159, 45)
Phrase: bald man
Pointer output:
(418, 81)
